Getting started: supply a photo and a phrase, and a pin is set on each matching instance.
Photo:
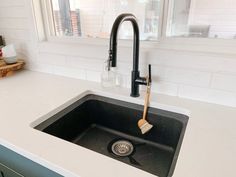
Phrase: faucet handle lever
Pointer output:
(150, 73)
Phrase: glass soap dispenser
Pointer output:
(108, 76)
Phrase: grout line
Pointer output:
(211, 80)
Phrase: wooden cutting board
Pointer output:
(9, 69)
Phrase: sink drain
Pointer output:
(122, 148)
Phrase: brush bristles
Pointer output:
(146, 127)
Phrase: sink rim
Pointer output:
(116, 96)
(88, 96)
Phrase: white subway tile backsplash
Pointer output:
(224, 82)
(70, 72)
(11, 12)
(87, 51)
(14, 23)
(85, 63)
(158, 73)
(208, 95)
(12, 3)
(228, 65)
(16, 34)
(165, 88)
(186, 60)
(125, 54)
(52, 59)
(181, 76)
(124, 80)
(46, 68)
(124, 68)
(93, 75)
(186, 76)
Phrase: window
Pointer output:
(202, 18)
(157, 18)
(94, 18)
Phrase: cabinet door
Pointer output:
(22, 165)
(7, 172)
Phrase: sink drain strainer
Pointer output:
(122, 148)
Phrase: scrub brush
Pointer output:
(142, 123)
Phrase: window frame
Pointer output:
(204, 45)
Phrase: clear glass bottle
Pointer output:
(108, 76)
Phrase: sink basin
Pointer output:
(109, 127)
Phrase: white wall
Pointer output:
(16, 27)
(201, 76)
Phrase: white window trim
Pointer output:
(205, 45)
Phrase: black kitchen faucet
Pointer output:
(136, 80)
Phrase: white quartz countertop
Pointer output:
(28, 98)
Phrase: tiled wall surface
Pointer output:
(196, 75)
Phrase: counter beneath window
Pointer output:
(28, 98)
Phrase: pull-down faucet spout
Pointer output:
(136, 80)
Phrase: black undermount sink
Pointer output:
(109, 127)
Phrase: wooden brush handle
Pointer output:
(147, 97)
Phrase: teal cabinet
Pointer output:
(7, 172)
(15, 165)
